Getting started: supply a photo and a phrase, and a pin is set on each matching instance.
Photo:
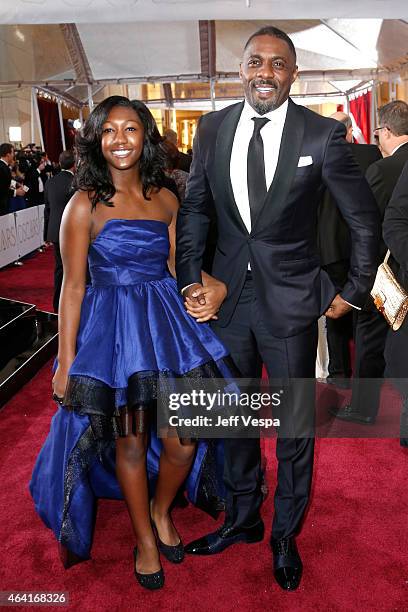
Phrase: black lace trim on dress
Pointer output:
(89, 396)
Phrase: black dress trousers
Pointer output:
(250, 345)
(369, 365)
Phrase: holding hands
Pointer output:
(203, 301)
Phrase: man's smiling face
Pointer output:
(267, 71)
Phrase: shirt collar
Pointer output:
(64, 170)
(4, 161)
(399, 146)
(276, 116)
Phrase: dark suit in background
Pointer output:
(35, 197)
(335, 250)
(395, 231)
(57, 192)
(183, 161)
(371, 328)
(5, 192)
(384, 175)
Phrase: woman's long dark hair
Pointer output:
(93, 173)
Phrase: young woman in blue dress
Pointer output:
(118, 337)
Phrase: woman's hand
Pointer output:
(59, 382)
(203, 302)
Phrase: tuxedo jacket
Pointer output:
(34, 196)
(183, 161)
(5, 192)
(382, 178)
(333, 233)
(291, 288)
(384, 174)
(395, 231)
(57, 192)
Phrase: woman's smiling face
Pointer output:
(122, 138)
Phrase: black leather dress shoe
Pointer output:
(219, 540)
(287, 564)
(348, 414)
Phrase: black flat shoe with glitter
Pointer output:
(149, 581)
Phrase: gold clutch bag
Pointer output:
(389, 297)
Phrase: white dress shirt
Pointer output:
(271, 135)
(40, 183)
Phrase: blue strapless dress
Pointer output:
(133, 331)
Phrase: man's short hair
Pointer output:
(276, 33)
(394, 116)
(5, 149)
(347, 122)
(343, 118)
(67, 160)
(38, 160)
(170, 135)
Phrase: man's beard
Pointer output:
(262, 106)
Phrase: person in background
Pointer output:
(7, 190)
(371, 327)
(395, 232)
(183, 161)
(179, 176)
(57, 193)
(55, 168)
(35, 180)
(334, 245)
(17, 202)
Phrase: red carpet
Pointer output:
(354, 543)
(33, 282)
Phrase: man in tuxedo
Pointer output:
(395, 231)
(35, 179)
(262, 164)
(6, 191)
(333, 238)
(371, 327)
(57, 192)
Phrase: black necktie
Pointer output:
(256, 169)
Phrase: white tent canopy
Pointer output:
(334, 55)
(124, 11)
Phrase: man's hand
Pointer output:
(20, 191)
(203, 303)
(195, 293)
(338, 308)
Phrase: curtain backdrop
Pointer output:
(360, 108)
(50, 128)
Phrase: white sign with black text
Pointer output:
(8, 240)
(29, 236)
(41, 219)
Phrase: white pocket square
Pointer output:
(305, 161)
